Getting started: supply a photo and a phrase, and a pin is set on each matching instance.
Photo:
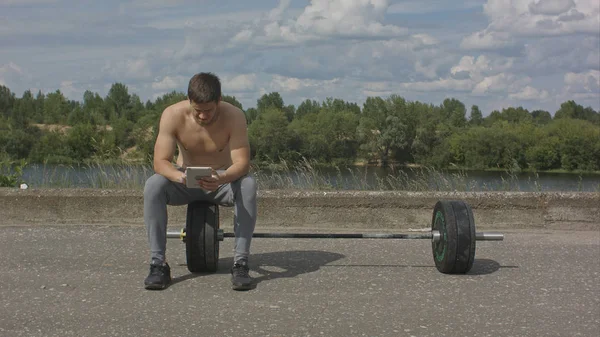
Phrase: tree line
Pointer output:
(49, 128)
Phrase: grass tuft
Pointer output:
(303, 174)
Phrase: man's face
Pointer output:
(204, 113)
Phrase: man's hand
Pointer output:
(182, 179)
(211, 183)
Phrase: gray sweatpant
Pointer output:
(160, 192)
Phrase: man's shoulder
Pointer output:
(176, 108)
(172, 117)
(233, 111)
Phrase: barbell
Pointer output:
(452, 236)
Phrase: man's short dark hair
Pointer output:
(204, 88)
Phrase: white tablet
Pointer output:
(195, 173)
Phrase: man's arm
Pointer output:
(240, 150)
(164, 148)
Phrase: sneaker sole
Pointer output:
(242, 287)
(155, 286)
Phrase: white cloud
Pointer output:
(431, 66)
(320, 21)
(496, 83)
(169, 83)
(345, 17)
(486, 40)
(10, 68)
(550, 7)
(517, 18)
(425, 39)
(518, 51)
(11, 74)
(482, 66)
(587, 82)
(133, 5)
(480, 76)
(553, 55)
(292, 84)
(444, 85)
(239, 83)
(420, 7)
(69, 89)
(530, 93)
(192, 20)
(133, 68)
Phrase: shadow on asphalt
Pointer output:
(275, 265)
(480, 266)
(486, 266)
(289, 264)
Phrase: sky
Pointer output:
(491, 53)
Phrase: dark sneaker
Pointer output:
(159, 277)
(240, 278)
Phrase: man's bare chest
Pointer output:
(202, 142)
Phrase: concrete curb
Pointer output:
(314, 209)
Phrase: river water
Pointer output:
(354, 178)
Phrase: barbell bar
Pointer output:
(434, 235)
(453, 236)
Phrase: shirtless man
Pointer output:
(207, 132)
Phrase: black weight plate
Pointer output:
(454, 253)
(465, 228)
(202, 245)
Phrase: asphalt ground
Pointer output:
(88, 281)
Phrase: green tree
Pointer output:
(251, 115)
(19, 142)
(454, 111)
(135, 109)
(502, 145)
(122, 129)
(336, 104)
(77, 116)
(591, 115)
(476, 118)
(51, 148)
(408, 115)
(308, 137)
(7, 100)
(269, 135)
(327, 136)
(493, 118)
(118, 101)
(55, 108)
(37, 115)
(270, 100)
(541, 117)
(80, 142)
(515, 115)
(579, 143)
(274, 100)
(569, 109)
(94, 111)
(307, 107)
(22, 110)
(381, 128)
(545, 153)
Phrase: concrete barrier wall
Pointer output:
(314, 209)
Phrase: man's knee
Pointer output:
(155, 185)
(248, 186)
